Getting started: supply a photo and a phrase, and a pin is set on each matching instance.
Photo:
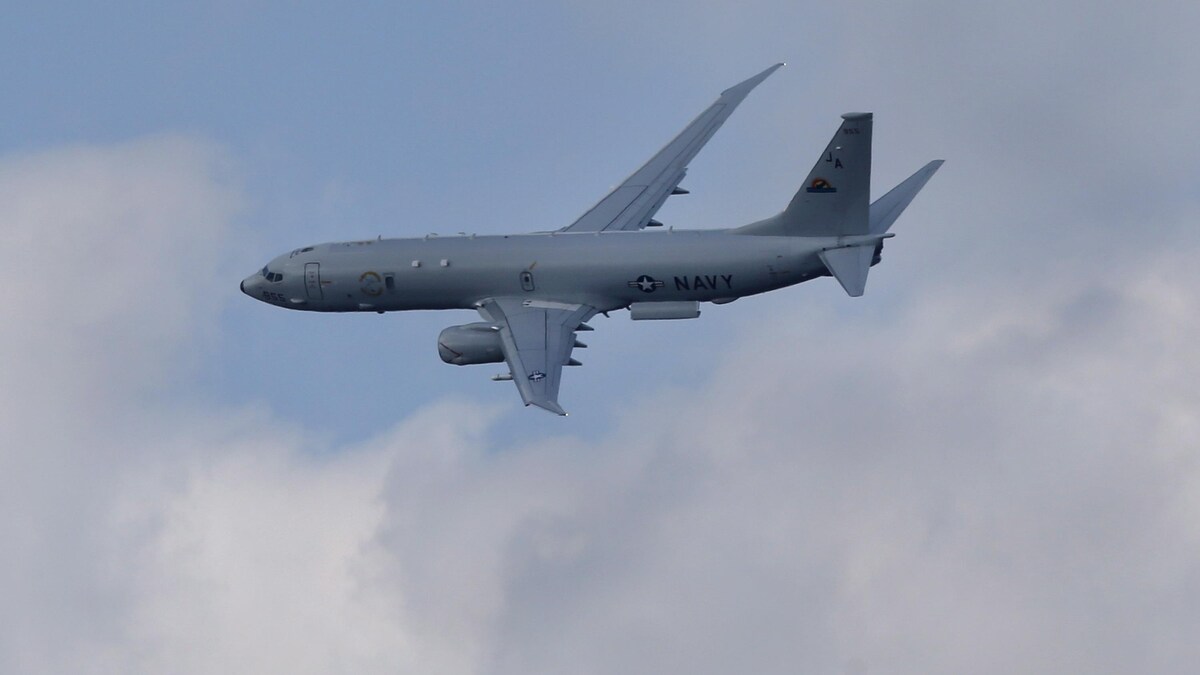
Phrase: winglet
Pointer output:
(546, 404)
(742, 88)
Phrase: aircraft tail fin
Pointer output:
(888, 208)
(834, 198)
(834, 205)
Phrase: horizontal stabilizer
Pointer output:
(849, 265)
(888, 208)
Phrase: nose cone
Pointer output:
(250, 285)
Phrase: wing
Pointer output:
(632, 204)
(537, 337)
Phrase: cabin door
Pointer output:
(312, 280)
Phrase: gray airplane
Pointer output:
(535, 291)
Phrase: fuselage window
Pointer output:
(527, 280)
(390, 282)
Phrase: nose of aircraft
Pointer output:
(250, 285)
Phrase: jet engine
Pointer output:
(471, 344)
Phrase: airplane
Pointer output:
(535, 291)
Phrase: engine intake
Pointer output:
(471, 344)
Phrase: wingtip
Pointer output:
(549, 406)
(742, 88)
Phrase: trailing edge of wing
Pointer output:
(632, 204)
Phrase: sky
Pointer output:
(989, 463)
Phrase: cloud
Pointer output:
(106, 239)
(111, 266)
(994, 487)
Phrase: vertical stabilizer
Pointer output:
(834, 199)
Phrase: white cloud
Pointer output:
(112, 251)
(111, 256)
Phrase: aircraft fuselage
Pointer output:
(607, 270)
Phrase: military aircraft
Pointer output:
(535, 291)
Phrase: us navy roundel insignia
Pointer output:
(646, 283)
(537, 376)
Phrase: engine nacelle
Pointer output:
(471, 344)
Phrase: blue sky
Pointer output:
(987, 464)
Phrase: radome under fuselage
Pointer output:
(607, 270)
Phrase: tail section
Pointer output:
(888, 208)
(834, 198)
(834, 206)
(850, 262)
(849, 265)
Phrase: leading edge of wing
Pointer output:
(632, 204)
(537, 337)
